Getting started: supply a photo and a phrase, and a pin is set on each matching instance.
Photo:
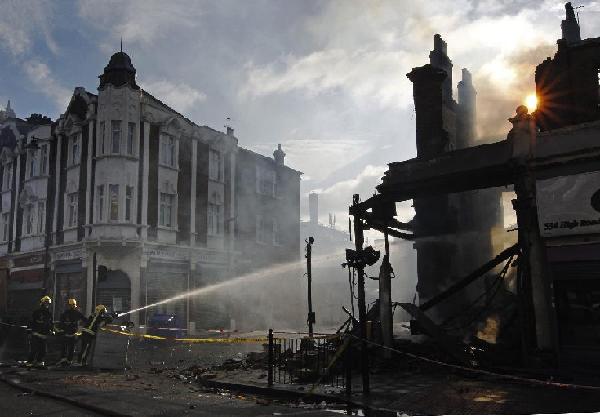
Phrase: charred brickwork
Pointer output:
(455, 228)
(567, 84)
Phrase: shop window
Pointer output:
(113, 191)
(5, 226)
(100, 203)
(128, 203)
(214, 165)
(116, 136)
(7, 177)
(72, 201)
(130, 138)
(166, 209)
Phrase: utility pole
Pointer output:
(311, 315)
(362, 307)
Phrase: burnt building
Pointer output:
(567, 84)
(124, 201)
(454, 229)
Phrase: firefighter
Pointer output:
(99, 318)
(41, 328)
(69, 321)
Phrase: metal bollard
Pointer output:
(270, 360)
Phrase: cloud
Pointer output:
(21, 23)
(141, 22)
(42, 78)
(368, 76)
(178, 95)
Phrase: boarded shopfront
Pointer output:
(26, 285)
(114, 291)
(569, 218)
(70, 282)
(164, 280)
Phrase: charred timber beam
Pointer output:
(462, 283)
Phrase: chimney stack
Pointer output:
(570, 27)
(229, 130)
(313, 207)
(279, 155)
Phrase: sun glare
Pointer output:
(531, 102)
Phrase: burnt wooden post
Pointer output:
(535, 295)
(311, 315)
(362, 307)
(385, 300)
(270, 360)
(348, 367)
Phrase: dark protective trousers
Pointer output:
(37, 349)
(69, 341)
(87, 340)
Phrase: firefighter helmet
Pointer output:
(72, 302)
(100, 308)
(45, 299)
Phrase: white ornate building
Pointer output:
(123, 183)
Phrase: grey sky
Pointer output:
(324, 78)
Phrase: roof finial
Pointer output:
(121, 44)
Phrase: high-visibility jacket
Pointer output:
(95, 321)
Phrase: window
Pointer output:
(213, 219)
(32, 157)
(100, 203)
(41, 216)
(260, 228)
(276, 240)
(102, 135)
(130, 138)
(113, 195)
(74, 149)
(5, 226)
(44, 160)
(72, 200)
(7, 177)
(28, 217)
(128, 203)
(214, 165)
(116, 136)
(168, 151)
(265, 181)
(166, 209)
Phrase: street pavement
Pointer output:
(138, 394)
